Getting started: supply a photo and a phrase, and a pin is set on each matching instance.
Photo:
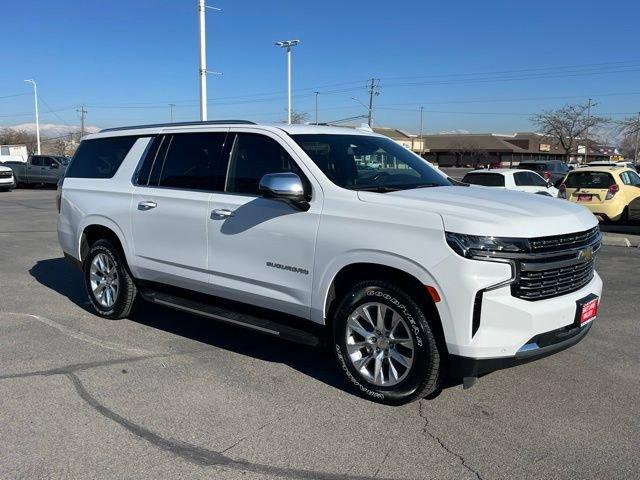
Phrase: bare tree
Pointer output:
(630, 132)
(466, 149)
(568, 125)
(299, 117)
(11, 136)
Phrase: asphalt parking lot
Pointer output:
(169, 395)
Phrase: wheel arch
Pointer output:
(406, 275)
(97, 228)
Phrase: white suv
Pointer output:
(409, 278)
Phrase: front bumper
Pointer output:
(538, 347)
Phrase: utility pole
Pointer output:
(373, 90)
(586, 148)
(288, 44)
(35, 94)
(635, 156)
(317, 93)
(421, 139)
(203, 59)
(83, 113)
(171, 105)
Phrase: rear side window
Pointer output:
(630, 178)
(36, 161)
(529, 179)
(194, 161)
(589, 180)
(484, 179)
(99, 158)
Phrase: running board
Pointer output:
(232, 317)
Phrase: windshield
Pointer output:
(362, 162)
(589, 180)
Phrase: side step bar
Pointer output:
(232, 317)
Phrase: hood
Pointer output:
(492, 212)
(5, 169)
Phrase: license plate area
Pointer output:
(586, 310)
(583, 197)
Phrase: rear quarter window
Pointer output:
(484, 179)
(100, 157)
(589, 180)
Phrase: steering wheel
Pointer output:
(377, 176)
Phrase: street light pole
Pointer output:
(203, 61)
(288, 44)
(171, 105)
(317, 93)
(421, 139)
(35, 94)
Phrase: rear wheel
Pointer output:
(384, 344)
(108, 282)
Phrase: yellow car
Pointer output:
(611, 193)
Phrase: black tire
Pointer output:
(624, 217)
(426, 371)
(127, 292)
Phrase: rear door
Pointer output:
(33, 170)
(170, 207)
(261, 251)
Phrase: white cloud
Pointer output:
(52, 129)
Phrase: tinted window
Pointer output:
(194, 161)
(529, 179)
(48, 161)
(252, 157)
(144, 170)
(484, 179)
(99, 158)
(366, 162)
(589, 180)
(536, 167)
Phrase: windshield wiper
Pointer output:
(376, 188)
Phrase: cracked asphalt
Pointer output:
(170, 395)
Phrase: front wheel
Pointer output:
(384, 344)
(108, 282)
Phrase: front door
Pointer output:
(261, 251)
(170, 208)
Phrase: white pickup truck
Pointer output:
(408, 278)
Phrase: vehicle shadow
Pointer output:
(60, 276)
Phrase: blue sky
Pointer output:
(127, 60)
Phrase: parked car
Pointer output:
(553, 170)
(409, 279)
(612, 193)
(624, 163)
(7, 181)
(511, 179)
(39, 169)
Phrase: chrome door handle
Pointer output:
(222, 212)
(147, 205)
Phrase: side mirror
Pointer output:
(286, 187)
(55, 165)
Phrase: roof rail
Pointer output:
(180, 124)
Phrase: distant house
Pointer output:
(13, 153)
(407, 140)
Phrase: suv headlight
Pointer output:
(474, 246)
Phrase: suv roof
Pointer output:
(196, 126)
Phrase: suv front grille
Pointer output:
(559, 242)
(6, 174)
(556, 265)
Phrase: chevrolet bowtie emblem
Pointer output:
(585, 255)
